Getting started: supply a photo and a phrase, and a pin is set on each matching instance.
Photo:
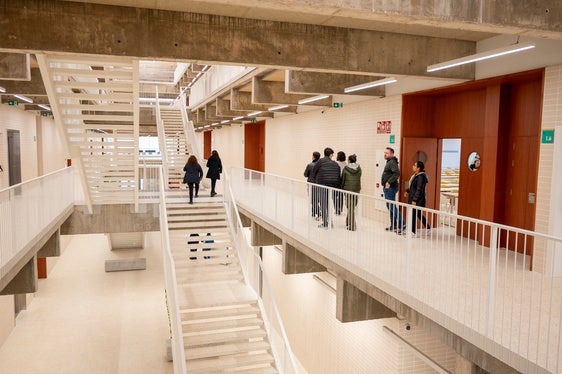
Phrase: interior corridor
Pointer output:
(84, 320)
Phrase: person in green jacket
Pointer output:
(351, 181)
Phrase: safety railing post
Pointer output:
(492, 280)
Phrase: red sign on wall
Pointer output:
(384, 127)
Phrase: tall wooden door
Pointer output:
(425, 150)
(207, 136)
(520, 191)
(254, 146)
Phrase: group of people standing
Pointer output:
(337, 175)
(194, 173)
(340, 175)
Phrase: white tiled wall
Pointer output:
(12, 118)
(549, 194)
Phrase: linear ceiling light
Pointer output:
(254, 113)
(43, 106)
(225, 121)
(237, 118)
(313, 98)
(481, 56)
(364, 86)
(273, 108)
(24, 98)
(2, 89)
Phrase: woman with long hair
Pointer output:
(416, 194)
(193, 175)
(215, 169)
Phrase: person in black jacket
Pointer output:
(315, 204)
(326, 172)
(215, 169)
(389, 182)
(192, 177)
(416, 194)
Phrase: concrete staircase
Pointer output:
(223, 330)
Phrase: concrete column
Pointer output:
(261, 237)
(52, 247)
(463, 366)
(353, 304)
(25, 281)
(296, 262)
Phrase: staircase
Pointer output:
(223, 330)
(95, 103)
(176, 147)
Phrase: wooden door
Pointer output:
(520, 191)
(254, 146)
(207, 135)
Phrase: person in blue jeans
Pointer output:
(389, 181)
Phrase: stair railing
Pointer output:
(178, 351)
(255, 276)
(162, 139)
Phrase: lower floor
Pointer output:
(84, 320)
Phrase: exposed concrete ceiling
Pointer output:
(463, 21)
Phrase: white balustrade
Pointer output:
(491, 284)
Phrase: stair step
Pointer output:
(239, 323)
(185, 248)
(192, 225)
(214, 313)
(187, 231)
(208, 269)
(228, 362)
(226, 349)
(224, 337)
(224, 261)
(177, 216)
(269, 369)
(210, 296)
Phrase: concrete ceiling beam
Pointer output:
(273, 93)
(33, 87)
(207, 39)
(223, 110)
(15, 66)
(329, 83)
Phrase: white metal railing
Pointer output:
(471, 276)
(148, 182)
(256, 278)
(171, 285)
(28, 208)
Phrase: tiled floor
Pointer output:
(84, 320)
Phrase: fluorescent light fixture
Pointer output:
(254, 113)
(364, 86)
(24, 98)
(2, 89)
(198, 74)
(206, 126)
(205, 67)
(277, 107)
(314, 98)
(214, 124)
(225, 121)
(237, 118)
(481, 56)
(43, 106)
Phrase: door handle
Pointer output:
(531, 197)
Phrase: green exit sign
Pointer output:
(548, 136)
(13, 102)
(45, 114)
(252, 120)
(337, 105)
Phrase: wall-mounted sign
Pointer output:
(384, 127)
(337, 105)
(547, 136)
(253, 120)
(13, 102)
(391, 140)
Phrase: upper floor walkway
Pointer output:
(463, 274)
